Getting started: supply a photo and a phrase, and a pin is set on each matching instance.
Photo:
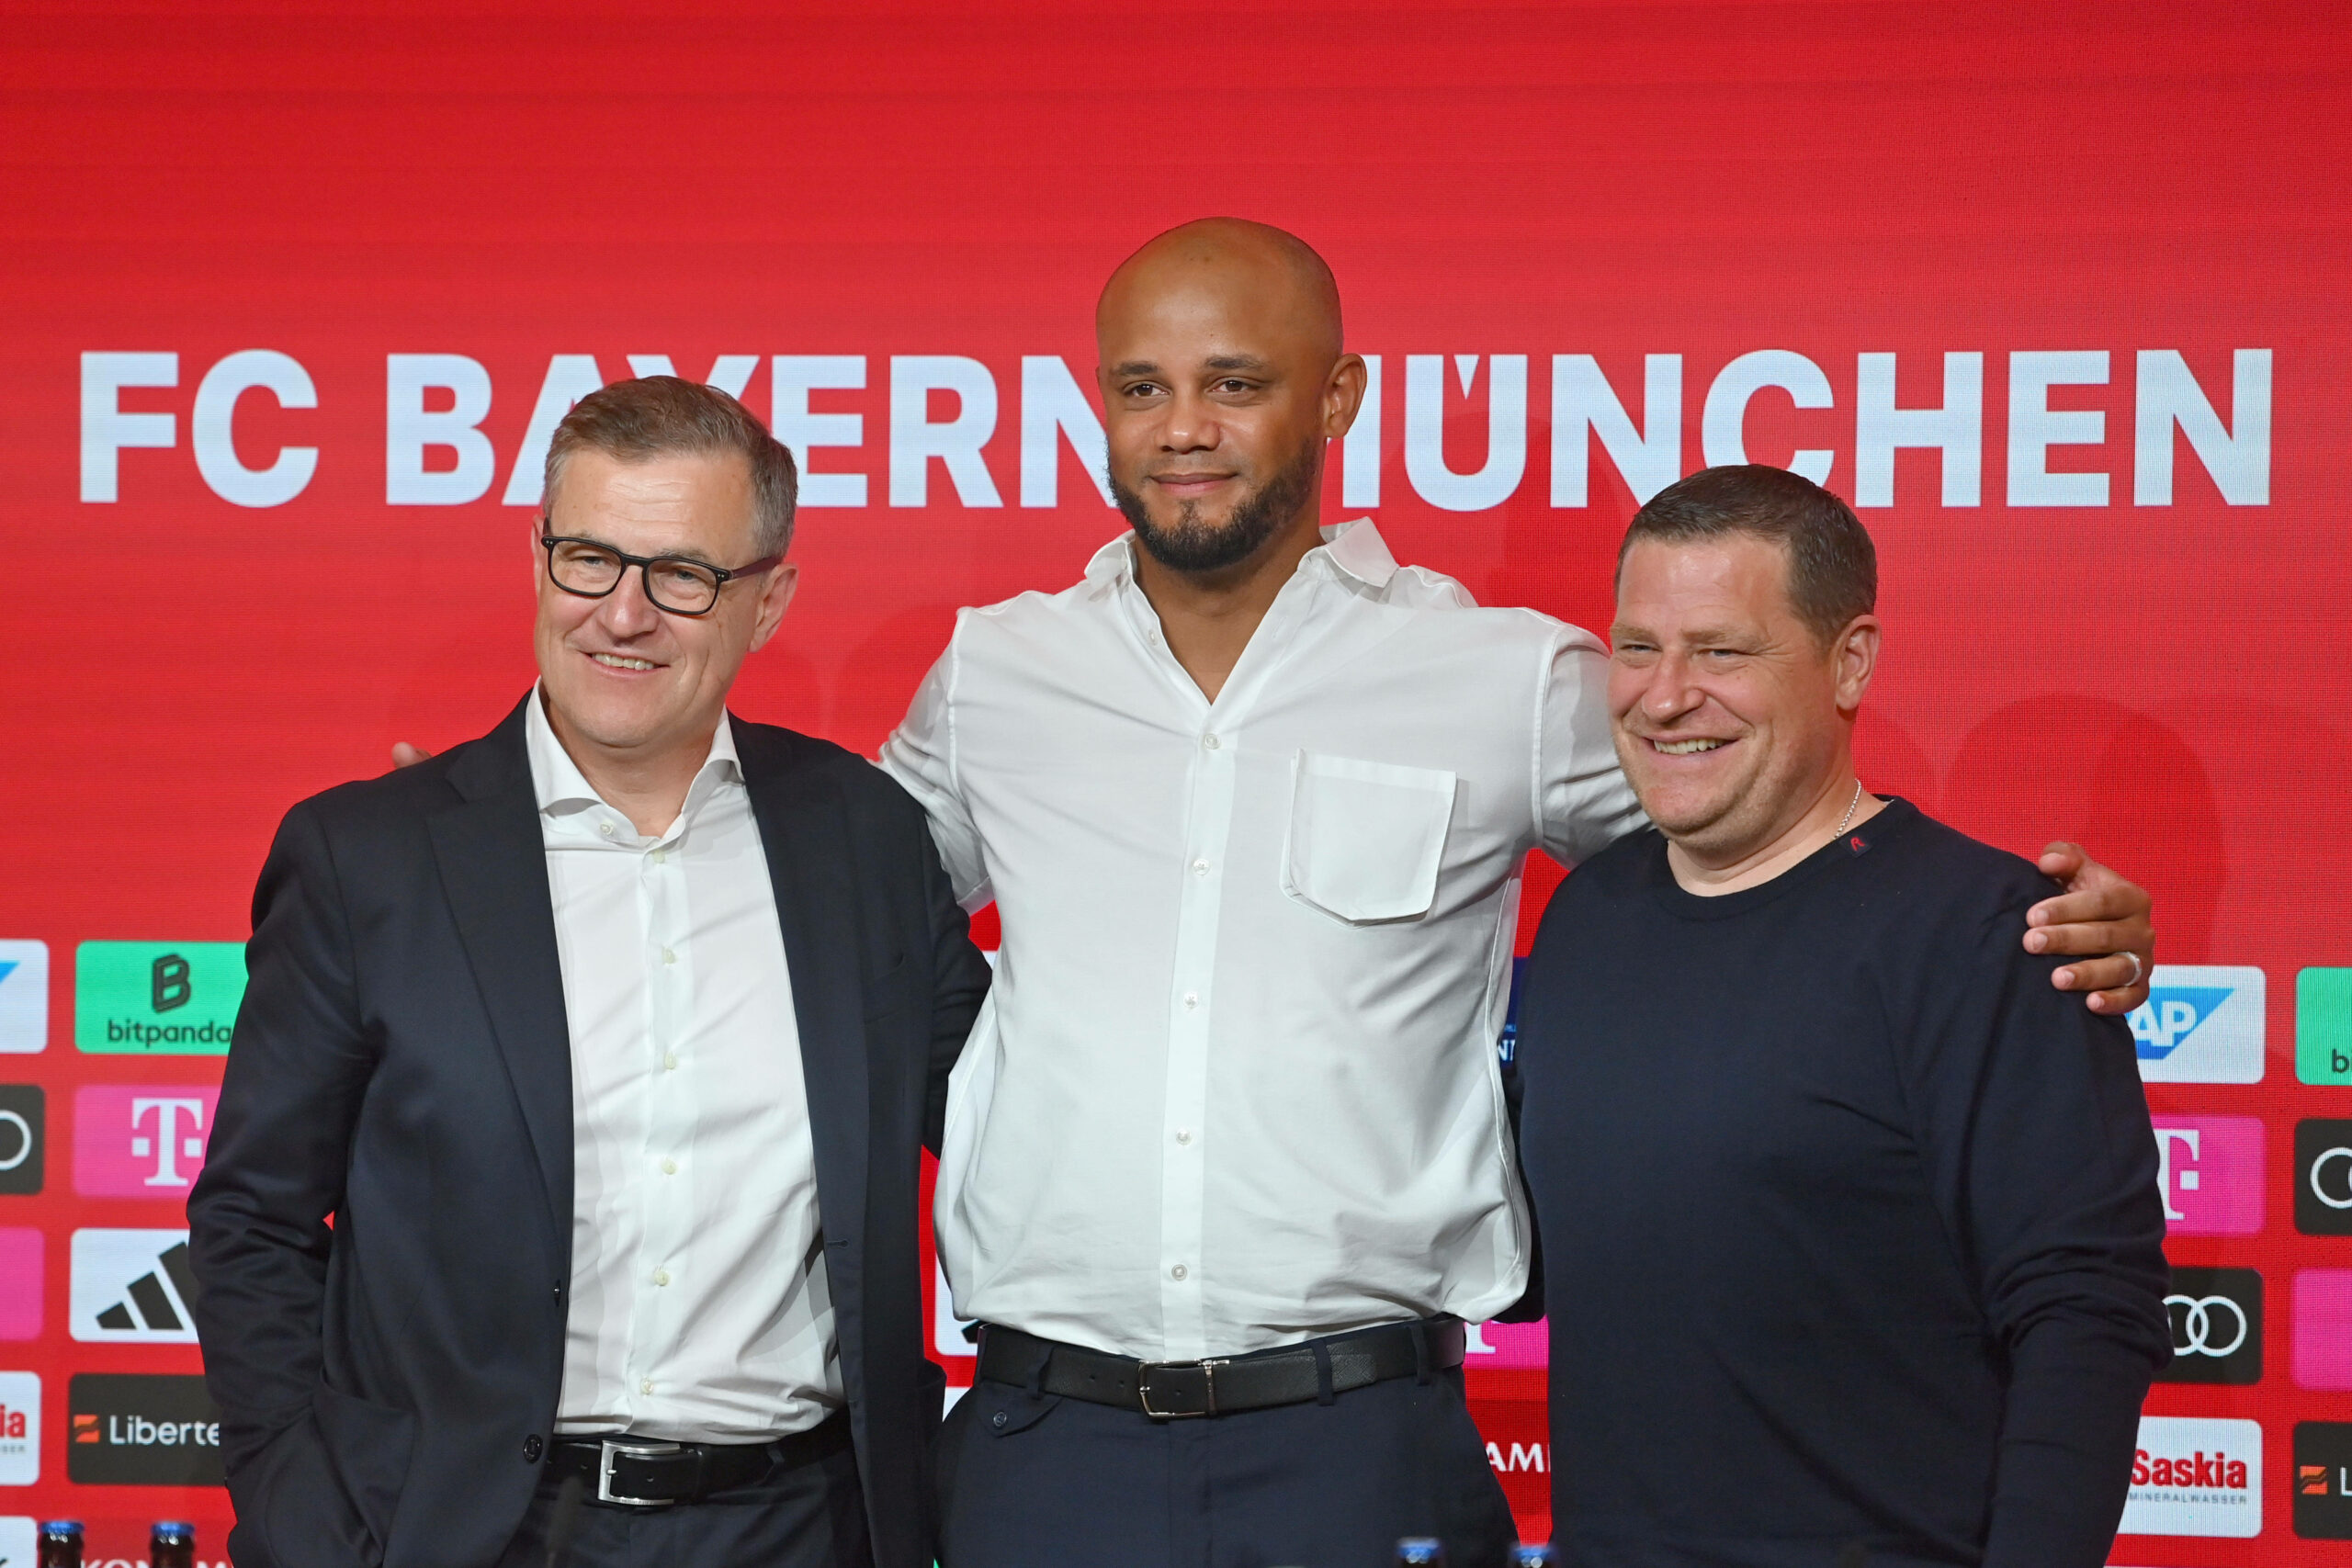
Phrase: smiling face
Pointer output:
(1730, 717)
(627, 680)
(1221, 377)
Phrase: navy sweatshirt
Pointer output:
(1849, 1219)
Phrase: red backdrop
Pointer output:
(2132, 215)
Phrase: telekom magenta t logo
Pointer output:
(141, 1140)
(2209, 1169)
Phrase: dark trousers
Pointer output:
(1057, 1483)
(809, 1514)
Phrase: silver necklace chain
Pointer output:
(1851, 806)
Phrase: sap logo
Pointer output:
(2201, 1023)
(1522, 1456)
(24, 996)
(132, 1285)
(2195, 1476)
(2170, 1016)
(19, 1428)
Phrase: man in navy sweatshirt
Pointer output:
(1852, 1218)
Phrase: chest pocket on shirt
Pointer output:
(1365, 839)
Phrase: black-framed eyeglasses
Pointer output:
(592, 570)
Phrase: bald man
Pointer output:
(1227, 1165)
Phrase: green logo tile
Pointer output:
(157, 997)
(2323, 1026)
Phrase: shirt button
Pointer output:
(605, 829)
(1177, 1272)
(1209, 742)
(661, 1276)
(532, 1449)
(669, 1061)
(669, 1168)
(1192, 1000)
(645, 1386)
(1199, 868)
(668, 956)
(1183, 1135)
(660, 856)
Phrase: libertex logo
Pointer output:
(141, 1140)
(2195, 1476)
(138, 1431)
(2201, 1023)
(2324, 1480)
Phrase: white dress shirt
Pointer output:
(1237, 1085)
(699, 1310)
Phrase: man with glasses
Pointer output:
(570, 1137)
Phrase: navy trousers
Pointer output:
(1053, 1482)
(810, 1515)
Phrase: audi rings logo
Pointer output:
(2216, 1325)
(2206, 1326)
(2320, 1180)
(2324, 1176)
(23, 1118)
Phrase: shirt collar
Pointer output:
(1355, 549)
(558, 784)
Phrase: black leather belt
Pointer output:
(646, 1472)
(1318, 1369)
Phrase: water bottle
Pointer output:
(1533, 1554)
(60, 1545)
(172, 1544)
(1420, 1552)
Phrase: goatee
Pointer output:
(1193, 547)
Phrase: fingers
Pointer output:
(2060, 859)
(2097, 938)
(2107, 898)
(2108, 980)
(407, 756)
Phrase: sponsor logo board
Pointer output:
(2324, 1176)
(23, 1249)
(157, 997)
(2201, 1023)
(133, 1286)
(140, 1430)
(2216, 1327)
(2323, 1328)
(2323, 1026)
(24, 1137)
(2324, 1480)
(19, 1539)
(2210, 1174)
(24, 998)
(19, 1428)
(1507, 1347)
(141, 1140)
(2192, 1475)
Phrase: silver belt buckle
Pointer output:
(611, 1450)
(1208, 1376)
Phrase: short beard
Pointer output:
(1195, 548)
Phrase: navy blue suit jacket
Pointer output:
(383, 1230)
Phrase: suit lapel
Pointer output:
(494, 871)
(804, 828)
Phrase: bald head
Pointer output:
(1254, 269)
(1222, 378)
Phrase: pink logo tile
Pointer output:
(2211, 1172)
(20, 1282)
(141, 1140)
(1508, 1346)
(2323, 1328)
